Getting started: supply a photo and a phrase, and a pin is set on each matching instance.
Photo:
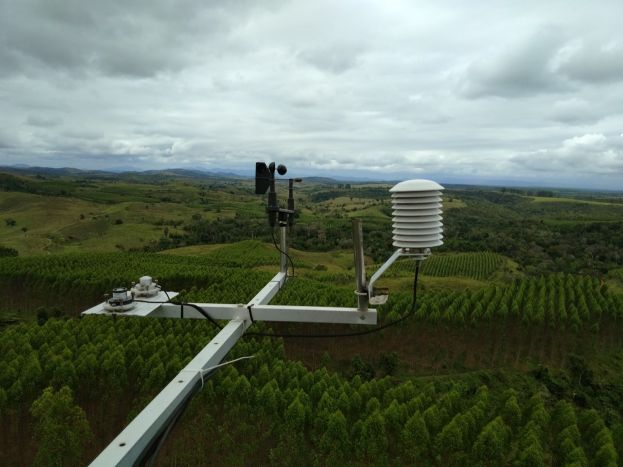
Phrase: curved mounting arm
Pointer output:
(392, 259)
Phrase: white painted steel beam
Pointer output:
(313, 314)
(270, 290)
(214, 310)
(280, 313)
(127, 448)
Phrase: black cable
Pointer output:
(272, 232)
(164, 290)
(251, 313)
(203, 312)
(359, 333)
(192, 305)
(288, 335)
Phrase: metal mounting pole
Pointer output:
(283, 230)
(360, 266)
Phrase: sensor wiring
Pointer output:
(353, 334)
(205, 371)
(164, 290)
(272, 232)
(192, 305)
(314, 336)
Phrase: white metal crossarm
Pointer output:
(260, 310)
(277, 313)
(129, 446)
(139, 438)
(270, 290)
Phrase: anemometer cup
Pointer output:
(264, 174)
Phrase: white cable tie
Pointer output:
(203, 371)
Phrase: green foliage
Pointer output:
(372, 443)
(415, 437)
(388, 361)
(61, 429)
(606, 456)
(531, 456)
(537, 302)
(6, 251)
(87, 276)
(491, 446)
(304, 415)
(335, 443)
(512, 412)
(477, 265)
(540, 236)
(362, 368)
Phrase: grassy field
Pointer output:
(60, 224)
(544, 199)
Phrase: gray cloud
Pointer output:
(335, 58)
(115, 37)
(595, 62)
(469, 92)
(518, 69)
(575, 111)
(578, 154)
(36, 120)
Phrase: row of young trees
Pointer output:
(557, 301)
(302, 416)
(99, 267)
(77, 280)
(295, 416)
(480, 265)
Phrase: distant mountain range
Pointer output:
(23, 169)
(150, 175)
(26, 169)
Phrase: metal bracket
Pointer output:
(392, 259)
(379, 296)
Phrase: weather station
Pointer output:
(417, 227)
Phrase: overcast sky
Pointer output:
(469, 91)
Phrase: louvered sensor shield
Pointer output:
(416, 216)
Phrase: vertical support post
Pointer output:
(360, 267)
(291, 203)
(284, 247)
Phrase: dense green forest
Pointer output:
(514, 355)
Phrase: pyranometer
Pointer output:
(145, 287)
(121, 300)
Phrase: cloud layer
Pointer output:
(462, 92)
